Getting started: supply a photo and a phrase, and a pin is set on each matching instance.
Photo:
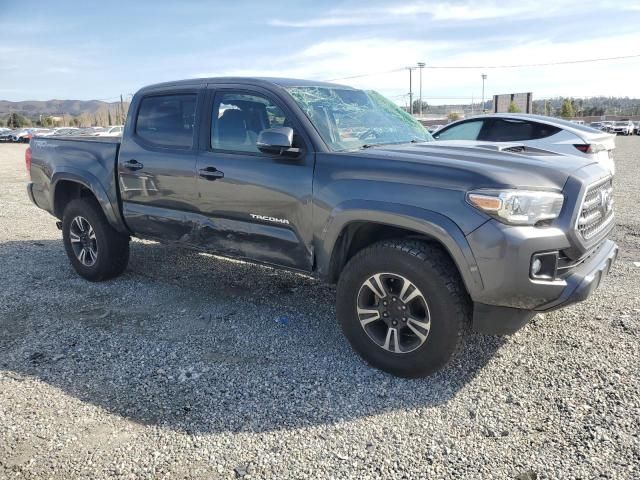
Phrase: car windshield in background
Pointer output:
(349, 119)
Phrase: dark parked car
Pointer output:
(341, 184)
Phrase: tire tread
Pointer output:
(439, 262)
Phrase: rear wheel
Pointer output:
(402, 306)
(96, 250)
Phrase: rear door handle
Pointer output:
(210, 173)
(133, 165)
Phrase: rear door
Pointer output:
(257, 205)
(156, 165)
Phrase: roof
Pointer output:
(576, 128)
(257, 81)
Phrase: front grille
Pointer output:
(596, 213)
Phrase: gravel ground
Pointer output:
(191, 366)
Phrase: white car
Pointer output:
(64, 131)
(606, 125)
(21, 136)
(112, 131)
(536, 131)
(623, 127)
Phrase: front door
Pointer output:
(257, 205)
(156, 167)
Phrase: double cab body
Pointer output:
(308, 175)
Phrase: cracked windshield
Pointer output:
(349, 119)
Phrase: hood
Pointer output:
(473, 164)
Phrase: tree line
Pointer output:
(566, 107)
(102, 117)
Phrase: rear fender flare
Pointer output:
(90, 182)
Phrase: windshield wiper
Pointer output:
(371, 145)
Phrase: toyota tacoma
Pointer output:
(341, 184)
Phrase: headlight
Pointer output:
(517, 207)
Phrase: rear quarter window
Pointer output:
(167, 120)
(540, 130)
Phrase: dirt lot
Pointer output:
(190, 366)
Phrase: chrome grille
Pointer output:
(596, 213)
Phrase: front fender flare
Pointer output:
(422, 221)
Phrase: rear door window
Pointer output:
(167, 120)
(462, 131)
(502, 130)
(513, 130)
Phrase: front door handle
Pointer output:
(210, 173)
(133, 165)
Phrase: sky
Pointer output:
(76, 50)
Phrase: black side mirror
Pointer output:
(277, 140)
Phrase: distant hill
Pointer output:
(34, 108)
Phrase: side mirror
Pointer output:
(277, 140)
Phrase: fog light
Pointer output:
(544, 266)
(536, 266)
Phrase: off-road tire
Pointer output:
(431, 270)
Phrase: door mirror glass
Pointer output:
(275, 140)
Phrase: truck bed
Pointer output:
(91, 161)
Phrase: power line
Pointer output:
(471, 67)
(548, 64)
(402, 69)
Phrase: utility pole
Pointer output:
(484, 77)
(420, 66)
(122, 109)
(411, 69)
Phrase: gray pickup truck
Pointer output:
(341, 184)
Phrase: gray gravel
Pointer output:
(191, 366)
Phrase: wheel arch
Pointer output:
(67, 186)
(354, 227)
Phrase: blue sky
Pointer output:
(76, 50)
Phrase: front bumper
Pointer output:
(586, 277)
(510, 298)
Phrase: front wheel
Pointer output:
(402, 306)
(96, 250)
